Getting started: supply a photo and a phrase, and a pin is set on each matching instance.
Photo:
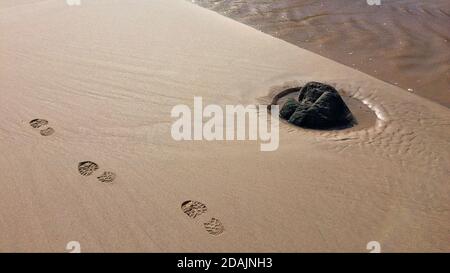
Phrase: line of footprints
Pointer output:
(193, 209)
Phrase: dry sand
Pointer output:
(106, 75)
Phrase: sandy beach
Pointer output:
(106, 75)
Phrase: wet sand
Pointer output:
(405, 43)
(105, 76)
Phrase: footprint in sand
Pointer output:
(87, 168)
(195, 208)
(107, 177)
(48, 131)
(214, 226)
(38, 123)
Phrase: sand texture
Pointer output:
(100, 166)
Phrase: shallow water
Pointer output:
(405, 43)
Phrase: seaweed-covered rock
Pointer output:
(319, 107)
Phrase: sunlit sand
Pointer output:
(105, 76)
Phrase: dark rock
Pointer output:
(289, 108)
(319, 107)
(313, 90)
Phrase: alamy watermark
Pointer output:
(73, 2)
(227, 124)
(73, 247)
(373, 2)
(374, 247)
